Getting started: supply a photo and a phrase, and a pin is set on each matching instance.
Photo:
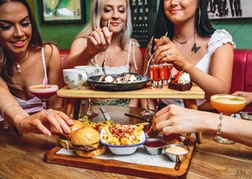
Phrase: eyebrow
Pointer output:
(6, 21)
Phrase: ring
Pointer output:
(167, 54)
(47, 112)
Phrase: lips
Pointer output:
(19, 43)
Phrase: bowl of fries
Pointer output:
(122, 139)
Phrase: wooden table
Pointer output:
(23, 157)
(73, 97)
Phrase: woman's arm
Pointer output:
(175, 119)
(12, 112)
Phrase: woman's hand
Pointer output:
(46, 121)
(175, 119)
(98, 40)
(166, 51)
(247, 95)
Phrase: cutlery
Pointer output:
(105, 56)
(135, 116)
(105, 113)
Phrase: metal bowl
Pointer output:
(176, 152)
(154, 146)
(95, 83)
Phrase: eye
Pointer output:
(122, 10)
(26, 23)
(107, 9)
(5, 26)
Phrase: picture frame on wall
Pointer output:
(229, 9)
(62, 11)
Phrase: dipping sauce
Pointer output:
(177, 150)
(154, 143)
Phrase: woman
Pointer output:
(25, 61)
(193, 46)
(106, 38)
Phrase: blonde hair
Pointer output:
(96, 11)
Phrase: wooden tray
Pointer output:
(121, 167)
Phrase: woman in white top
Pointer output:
(194, 46)
(24, 61)
(108, 30)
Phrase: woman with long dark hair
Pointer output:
(193, 46)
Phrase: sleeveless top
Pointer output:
(218, 38)
(118, 70)
(34, 104)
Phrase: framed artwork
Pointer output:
(227, 9)
(62, 11)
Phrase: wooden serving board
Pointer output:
(126, 168)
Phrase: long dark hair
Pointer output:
(202, 23)
(6, 70)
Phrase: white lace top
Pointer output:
(218, 38)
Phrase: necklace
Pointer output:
(195, 48)
(19, 63)
(184, 42)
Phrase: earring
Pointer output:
(199, 11)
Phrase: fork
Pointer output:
(148, 64)
(105, 56)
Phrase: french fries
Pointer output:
(118, 134)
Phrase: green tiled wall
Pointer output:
(240, 29)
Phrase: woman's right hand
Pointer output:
(98, 40)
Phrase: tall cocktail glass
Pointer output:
(227, 104)
(44, 92)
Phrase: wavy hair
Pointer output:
(6, 70)
(96, 10)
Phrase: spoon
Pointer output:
(105, 56)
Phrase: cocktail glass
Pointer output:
(44, 92)
(227, 104)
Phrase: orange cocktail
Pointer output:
(227, 103)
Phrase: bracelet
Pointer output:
(3, 109)
(220, 125)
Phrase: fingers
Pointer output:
(163, 50)
(101, 38)
(51, 121)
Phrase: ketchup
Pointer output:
(154, 143)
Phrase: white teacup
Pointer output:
(74, 78)
(90, 70)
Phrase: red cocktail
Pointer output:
(44, 92)
(156, 74)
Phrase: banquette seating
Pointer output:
(242, 72)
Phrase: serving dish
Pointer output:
(123, 149)
(106, 86)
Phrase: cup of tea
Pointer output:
(74, 78)
(90, 70)
(167, 69)
(156, 74)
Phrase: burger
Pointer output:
(64, 139)
(86, 142)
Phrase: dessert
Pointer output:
(181, 82)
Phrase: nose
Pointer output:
(174, 2)
(18, 31)
(115, 14)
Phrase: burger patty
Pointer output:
(87, 147)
